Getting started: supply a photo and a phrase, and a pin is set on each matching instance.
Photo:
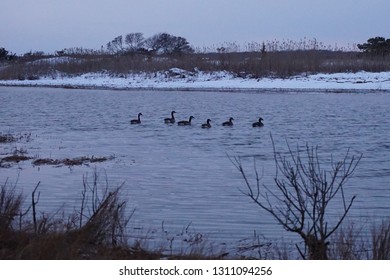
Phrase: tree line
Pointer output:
(135, 53)
(6, 55)
(376, 46)
(164, 43)
(161, 43)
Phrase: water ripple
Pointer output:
(183, 174)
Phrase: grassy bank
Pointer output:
(98, 229)
(252, 64)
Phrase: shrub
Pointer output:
(381, 241)
(303, 194)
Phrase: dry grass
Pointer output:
(6, 138)
(98, 230)
(274, 58)
(380, 237)
(14, 158)
(101, 236)
(353, 242)
(9, 138)
(349, 244)
(70, 161)
(19, 155)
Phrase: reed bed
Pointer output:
(255, 60)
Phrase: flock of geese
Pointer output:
(172, 120)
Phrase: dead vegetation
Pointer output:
(14, 158)
(50, 237)
(6, 138)
(70, 161)
(20, 155)
(269, 59)
(8, 161)
(17, 156)
(9, 138)
(303, 191)
(96, 231)
(99, 229)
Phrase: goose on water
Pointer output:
(181, 123)
(229, 122)
(207, 124)
(171, 119)
(259, 123)
(138, 120)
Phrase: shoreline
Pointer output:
(205, 89)
(360, 82)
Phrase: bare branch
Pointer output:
(34, 202)
(302, 195)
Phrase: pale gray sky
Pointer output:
(50, 25)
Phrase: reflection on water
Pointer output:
(181, 175)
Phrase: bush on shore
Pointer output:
(97, 230)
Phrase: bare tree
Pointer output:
(301, 199)
(134, 41)
(181, 46)
(158, 43)
(116, 45)
(164, 43)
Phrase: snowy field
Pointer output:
(178, 79)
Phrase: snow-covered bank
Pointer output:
(177, 79)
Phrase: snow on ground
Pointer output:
(56, 60)
(178, 79)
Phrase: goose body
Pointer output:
(182, 123)
(137, 120)
(207, 124)
(229, 122)
(171, 119)
(259, 123)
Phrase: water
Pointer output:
(176, 176)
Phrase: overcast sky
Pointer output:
(50, 25)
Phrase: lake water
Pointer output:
(178, 176)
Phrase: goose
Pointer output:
(171, 119)
(259, 123)
(138, 120)
(186, 122)
(207, 124)
(229, 122)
